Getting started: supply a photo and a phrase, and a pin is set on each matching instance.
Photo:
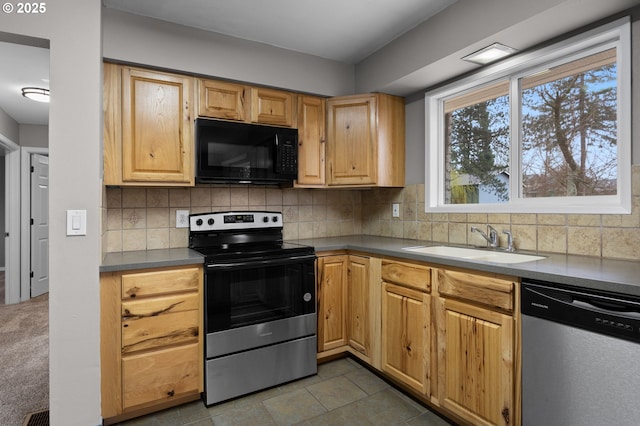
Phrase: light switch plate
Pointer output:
(182, 218)
(76, 222)
(395, 210)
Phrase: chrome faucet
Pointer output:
(510, 247)
(492, 238)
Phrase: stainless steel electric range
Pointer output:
(259, 303)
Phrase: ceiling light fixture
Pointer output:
(36, 94)
(489, 54)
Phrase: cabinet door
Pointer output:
(332, 298)
(352, 149)
(475, 364)
(405, 336)
(160, 375)
(311, 146)
(156, 128)
(219, 99)
(358, 304)
(272, 107)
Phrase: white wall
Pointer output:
(75, 134)
(137, 39)
(431, 52)
(8, 126)
(34, 135)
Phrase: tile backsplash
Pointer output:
(144, 218)
(610, 236)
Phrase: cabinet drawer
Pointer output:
(408, 274)
(156, 282)
(490, 290)
(160, 375)
(159, 321)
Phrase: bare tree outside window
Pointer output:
(569, 134)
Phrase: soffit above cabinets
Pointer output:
(345, 31)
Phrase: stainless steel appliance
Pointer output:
(231, 152)
(259, 303)
(580, 357)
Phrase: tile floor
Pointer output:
(342, 393)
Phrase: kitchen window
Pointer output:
(546, 131)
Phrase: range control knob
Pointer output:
(274, 219)
(265, 219)
(210, 221)
(199, 222)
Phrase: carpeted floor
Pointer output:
(24, 359)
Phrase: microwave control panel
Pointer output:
(287, 161)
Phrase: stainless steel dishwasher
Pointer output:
(580, 357)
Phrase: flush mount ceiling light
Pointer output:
(489, 54)
(36, 94)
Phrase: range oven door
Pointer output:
(259, 302)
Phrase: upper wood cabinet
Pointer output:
(365, 140)
(148, 127)
(240, 102)
(219, 99)
(311, 140)
(270, 106)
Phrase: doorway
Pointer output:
(23, 132)
(23, 135)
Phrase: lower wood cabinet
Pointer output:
(158, 375)
(349, 306)
(406, 323)
(151, 340)
(476, 346)
(332, 302)
(447, 335)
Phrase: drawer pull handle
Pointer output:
(171, 392)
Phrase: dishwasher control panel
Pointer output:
(613, 315)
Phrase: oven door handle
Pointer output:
(263, 262)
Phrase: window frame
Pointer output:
(614, 34)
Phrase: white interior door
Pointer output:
(39, 224)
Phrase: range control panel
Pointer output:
(220, 221)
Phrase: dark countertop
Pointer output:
(619, 276)
(127, 260)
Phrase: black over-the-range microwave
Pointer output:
(231, 152)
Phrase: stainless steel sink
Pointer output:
(475, 254)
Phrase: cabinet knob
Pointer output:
(171, 392)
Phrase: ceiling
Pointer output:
(23, 66)
(345, 31)
(331, 29)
